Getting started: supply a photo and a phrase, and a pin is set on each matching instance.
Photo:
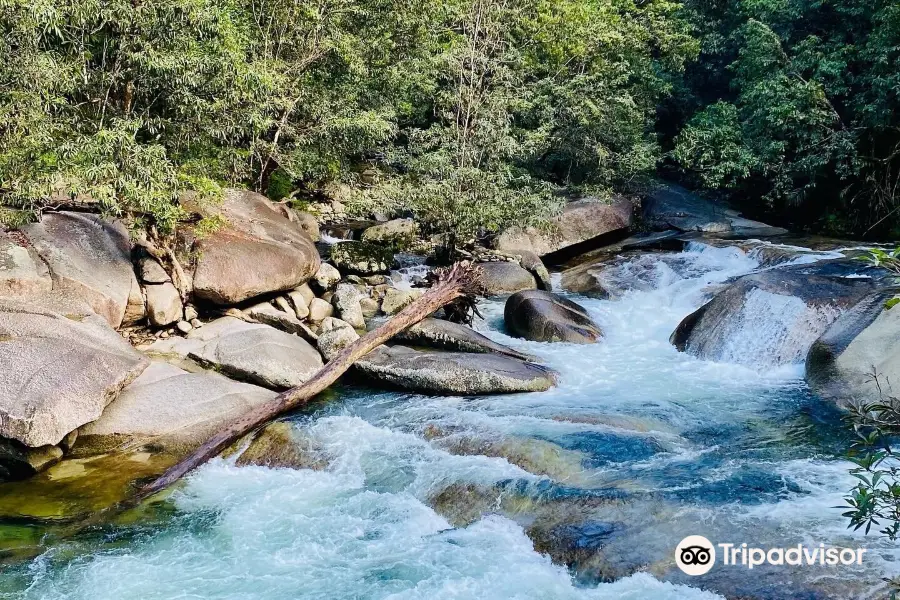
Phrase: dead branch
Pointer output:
(460, 280)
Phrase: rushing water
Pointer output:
(435, 497)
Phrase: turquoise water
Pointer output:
(579, 492)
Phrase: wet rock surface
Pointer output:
(546, 317)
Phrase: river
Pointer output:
(579, 492)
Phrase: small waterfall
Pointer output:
(770, 330)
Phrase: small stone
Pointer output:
(326, 277)
(163, 304)
(301, 308)
(370, 307)
(327, 296)
(305, 292)
(184, 326)
(319, 309)
(376, 279)
(190, 312)
(329, 323)
(354, 279)
(330, 343)
(164, 334)
(195, 323)
(152, 272)
(395, 300)
(346, 301)
(236, 313)
(282, 303)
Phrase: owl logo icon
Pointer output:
(695, 555)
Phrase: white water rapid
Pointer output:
(436, 497)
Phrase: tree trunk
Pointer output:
(458, 281)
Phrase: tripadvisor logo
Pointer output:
(696, 555)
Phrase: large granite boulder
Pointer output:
(504, 277)
(171, 407)
(438, 333)
(246, 351)
(771, 318)
(546, 317)
(857, 359)
(260, 251)
(454, 372)
(58, 372)
(88, 257)
(580, 221)
(22, 272)
(672, 206)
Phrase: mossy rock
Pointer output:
(362, 258)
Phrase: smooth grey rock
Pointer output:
(454, 372)
(546, 317)
(303, 294)
(171, 407)
(59, 373)
(288, 322)
(503, 277)
(346, 301)
(22, 272)
(862, 344)
(184, 327)
(151, 271)
(335, 339)
(163, 304)
(438, 333)
(246, 351)
(580, 221)
(319, 309)
(259, 252)
(771, 317)
(89, 258)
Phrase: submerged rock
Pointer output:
(89, 258)
(857, 359)
(454, 372)
(504, 277)
(772, 317)
(59, 372)
(261, 251)
(172, 408)
(280, 445)
(247, 351)
(438, 333)
(546, 317)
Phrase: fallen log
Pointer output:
(459, 281)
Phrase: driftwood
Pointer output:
(456, 282)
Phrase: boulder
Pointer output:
(260, 251)
(22, 272)
(346, 301)
(285, 321)
(136, 309)
(503, 277)
(864, 342)
(532, 263)
(580, 221)
(338, 336)
(370, 307)
(59, 372)
(326, 277)
(438, 333)
(89, 258)
(246, 351)
(362, 258)
(172, 408)
(453, 372)
(772, 317)
(672, 206)
(151, 271)
(546, 317)
(396, 233)
(163, 304)
(319, 309)
(396, 300)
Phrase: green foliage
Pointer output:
(792, 108)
